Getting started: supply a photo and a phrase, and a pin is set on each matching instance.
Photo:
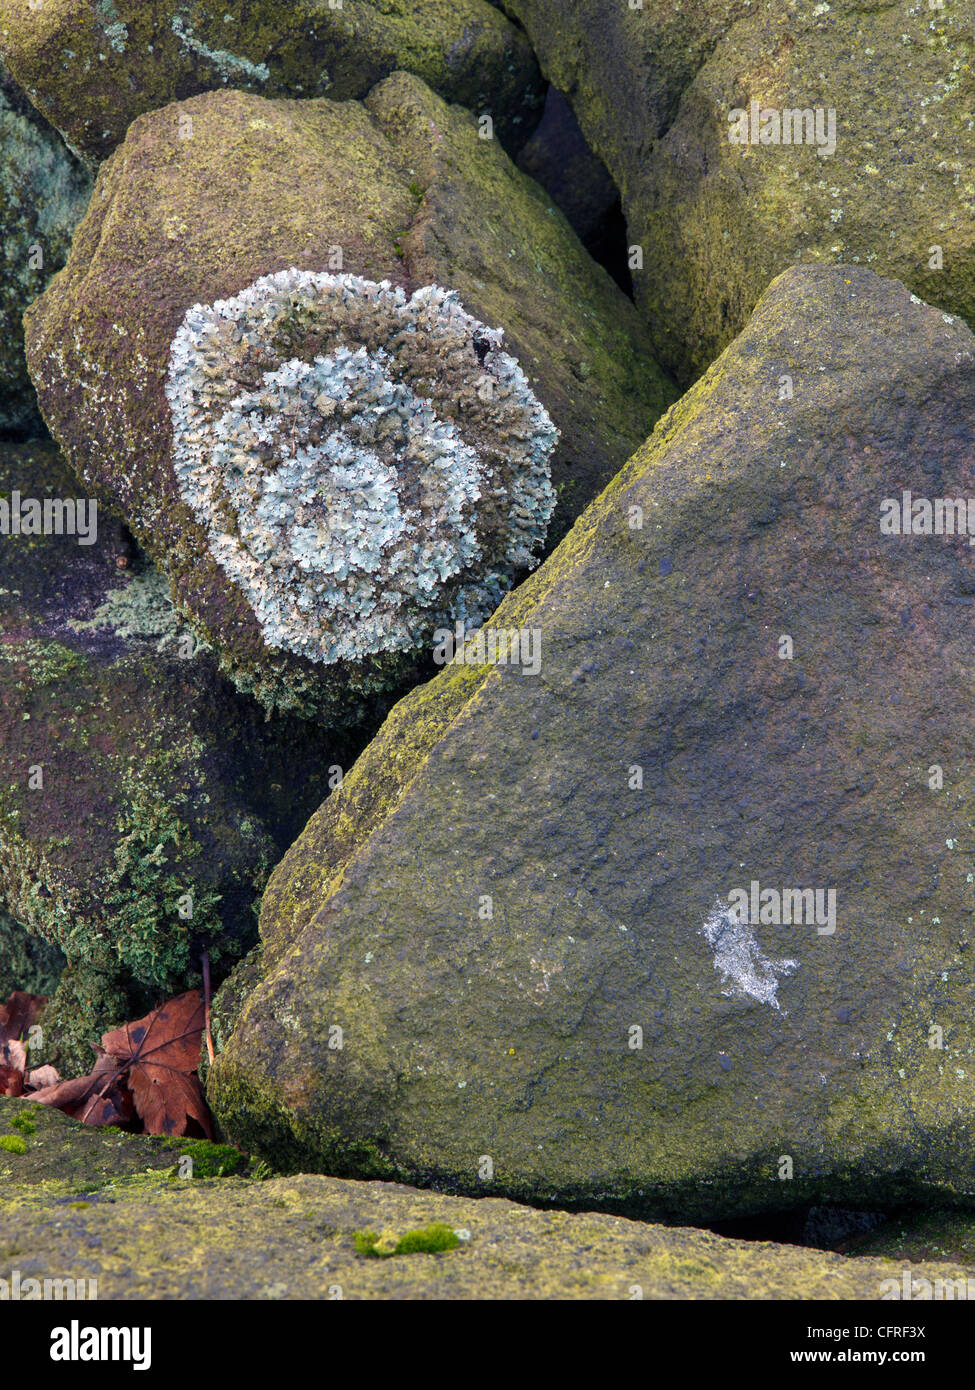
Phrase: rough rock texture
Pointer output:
(43, 192)
(76, 1158)
(401, 189)
(92, 66)
(131, 772)
(718, 220)
(755, 684)
(97, 1204)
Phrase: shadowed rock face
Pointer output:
(43, 192)
(131, 773)
(145, 1235)
(197, 207)
(513, 910)
(93, 67)
(718, 218)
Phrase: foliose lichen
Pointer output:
(367, 465)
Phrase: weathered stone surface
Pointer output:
(522, 870)
(653, 90)
(93, 66)
(718, 220)
(43, 192)
(96, 1204)
(70, 1158)
(407, 190)
(130, 775)
(623, 69)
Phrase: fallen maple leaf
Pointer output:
(146, 1068)
(16, 1017)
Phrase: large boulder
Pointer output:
(142, 798)
(885, 176)
(92, 66)
(132, 1215)
(240, 364)
(717, 208)
(519, 953)
(624, 66)
(43, 192)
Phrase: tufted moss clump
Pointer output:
(430, 1240)
(13, 1144)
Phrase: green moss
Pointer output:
(209, 1160)
(13, 1144)
(24, 1123)
(430, 1240)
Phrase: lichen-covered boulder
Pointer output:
(341, 402)
(92, 66)
(673, 916)
(132, 1215)
(43, 192)
(759, 136)
(142, 798)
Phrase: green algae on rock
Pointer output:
(43, 192)
(79, 1159)
(717, 216)
(142, 798)
(398, 192)
(93, 67)
(503, 914)
(154, 1236)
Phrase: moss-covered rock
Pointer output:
(102, 1205)
(716, 220)
(93, 67)
(510, 956)
(914, 1237)
(624, 66)
(158, 408)
(142, 799)
(26, 962)
(75, 1159)
(43, 192)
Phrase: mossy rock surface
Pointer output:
(26, 962)
(43, 192)
(93, 66)
(74, 1160)
(102, 1205)
(409, 192)
(519, 871)
(916, 1237)
(716, 220)
(132, 773)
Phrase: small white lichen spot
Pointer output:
(367, 466)
(739, 958)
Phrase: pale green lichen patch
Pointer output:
(394, 482)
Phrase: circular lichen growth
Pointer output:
(367, 465)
